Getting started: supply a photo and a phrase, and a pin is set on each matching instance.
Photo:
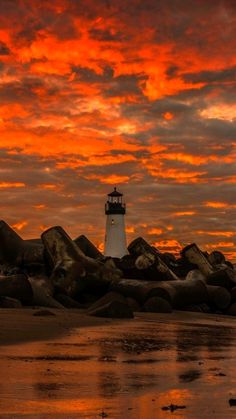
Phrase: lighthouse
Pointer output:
(115, 238)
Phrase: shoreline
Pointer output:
(21, 325)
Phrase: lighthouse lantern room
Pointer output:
(115, 238)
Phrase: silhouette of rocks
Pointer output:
(59, 272)
(157, 305)
(8, 302)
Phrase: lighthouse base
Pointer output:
(115, 238)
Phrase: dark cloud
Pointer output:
(225, 75)
(16, 92)
(88, 75)
(125, 85)
(172, 71)
(107, 35)
(4, 50)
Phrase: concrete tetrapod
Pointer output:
(112, 305)
(148, 258)
(70, 265)
(153, 268)
(127, 266)
(68, 271)
(139, 246)
(194, 255)
(10, 244)
(88, 247)
(140, 290)
(157, 305)
(32, 253)
(216, 258)
(195, 274)
(16, 286)
(219, 297)
(225, 277)
(8, 302)
(178, 293)
(15, 251)
(42, 297)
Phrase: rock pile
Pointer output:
(56, 271)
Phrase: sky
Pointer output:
(135, 94)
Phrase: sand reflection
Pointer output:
(130, 372)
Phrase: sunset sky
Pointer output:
(135, 94)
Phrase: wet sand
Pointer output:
(75, 366)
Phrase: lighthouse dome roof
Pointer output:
(115, 193)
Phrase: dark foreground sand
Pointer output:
(21, 325)
(74, 366)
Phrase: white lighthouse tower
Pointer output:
(115, 238)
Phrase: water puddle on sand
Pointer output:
(135, 370)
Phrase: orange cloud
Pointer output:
(39, 206)
(155, 231)
(8, 185)
(184, 213)
(97, 160)
(169, 245)
(222, 111)
(12, 110)
(44, 227)
(168, 116)
(217, 233)
(219, 245)
(20, 225)
(197, 160)
(130, 229)
(230, 254)
(177, 176)
(49, 186)
(213, 204)
(111, 180)
(101, 247)
(98, 93)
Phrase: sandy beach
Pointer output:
(74, 366)
(21, 325)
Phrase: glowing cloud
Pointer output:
(99, 93)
